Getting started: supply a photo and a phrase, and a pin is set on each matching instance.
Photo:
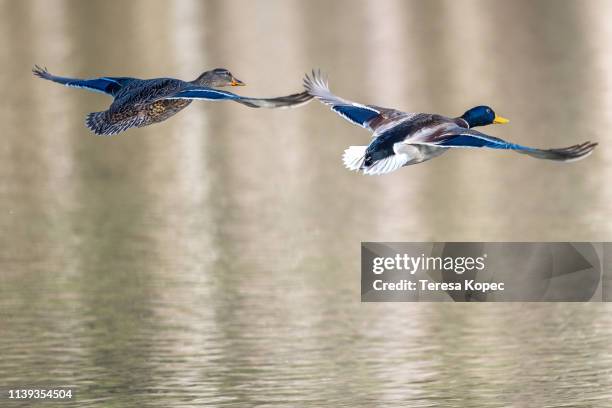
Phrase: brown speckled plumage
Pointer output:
(143, 102)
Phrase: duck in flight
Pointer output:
(143, 102)
(402, 138)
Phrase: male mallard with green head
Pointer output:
(402, 138)
(143, 102)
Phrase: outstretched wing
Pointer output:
(566, 154)
(473, 138)
(107, 85)
(361, 115)
(209, 94)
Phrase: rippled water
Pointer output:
(212, 260)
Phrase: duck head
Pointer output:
(482, 116)
(218, 77)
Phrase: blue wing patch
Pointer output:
(480, 140)
(359, 115)
(471, 141)
(203, 93)
(104, 85)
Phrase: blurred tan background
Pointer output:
(214, 258)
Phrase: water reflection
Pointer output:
(213, 259)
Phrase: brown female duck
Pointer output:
(142, 102)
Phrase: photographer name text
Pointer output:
(427, 285)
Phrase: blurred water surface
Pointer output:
(213, 259)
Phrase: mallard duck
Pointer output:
(143, 102)
(402, 138)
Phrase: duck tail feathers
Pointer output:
(353, 157)
(102, 124)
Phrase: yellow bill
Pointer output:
(500, 120)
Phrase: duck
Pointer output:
(143, 102)
(405, 138)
